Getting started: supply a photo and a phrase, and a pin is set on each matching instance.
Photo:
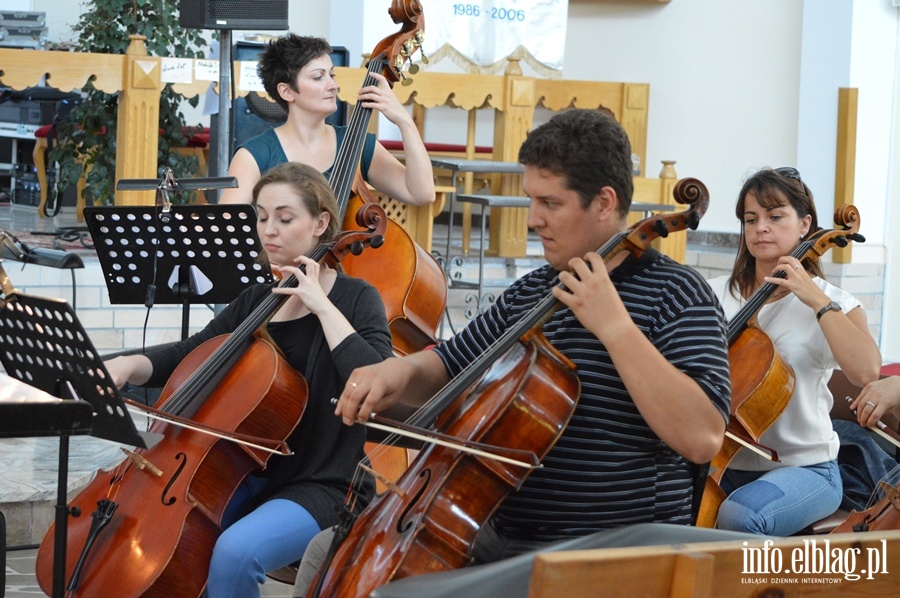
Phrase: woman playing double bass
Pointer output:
(647, 341)
(298, 73)
(815, 327)
(329, 325)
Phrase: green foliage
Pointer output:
(88, 137)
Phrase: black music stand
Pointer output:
(177, 254)
(43, 344)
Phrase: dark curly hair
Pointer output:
(589, 149)
(282, 59)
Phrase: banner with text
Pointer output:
(485, 32)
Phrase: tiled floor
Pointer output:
(20, 581)
(28, 466)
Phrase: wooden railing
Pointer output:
(513, 97)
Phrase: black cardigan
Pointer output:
(325, 451)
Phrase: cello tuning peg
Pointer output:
(858, 238)
(662, 229)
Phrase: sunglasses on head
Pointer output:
(788, 172)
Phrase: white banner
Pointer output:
(485, 32)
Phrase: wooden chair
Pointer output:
(705, 570)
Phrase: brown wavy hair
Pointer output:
(772, 188)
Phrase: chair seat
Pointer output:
(286, 574)
(827, 525)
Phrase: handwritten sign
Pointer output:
(249, 79)
(487, 31)
(206, 70)
(176, 70)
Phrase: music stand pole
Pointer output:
(177, 254)
(60, 532)
(32, 333)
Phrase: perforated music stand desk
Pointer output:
(180, 255)
(43, 344)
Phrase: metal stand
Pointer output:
(43, 344)
(177, 254)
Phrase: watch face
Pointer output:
(833, 306)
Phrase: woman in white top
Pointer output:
(816, 327)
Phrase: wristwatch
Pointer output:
(833, 306)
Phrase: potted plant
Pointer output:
(86, 139)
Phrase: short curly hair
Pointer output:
(282, 59)
(589, 149)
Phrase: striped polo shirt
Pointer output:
(608, 468)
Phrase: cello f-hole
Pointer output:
(403, 525)
(171, 500)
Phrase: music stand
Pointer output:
(43, 344)
(177, 254)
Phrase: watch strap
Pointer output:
(832, 306)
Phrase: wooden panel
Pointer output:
(718, 568)
(845, 157)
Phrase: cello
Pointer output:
(156, 517)
(884, 514)
(517, 395)
(762, 383)
(414, 287)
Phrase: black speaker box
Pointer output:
(234, 14)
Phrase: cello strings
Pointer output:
(187, 392)
(467, 376)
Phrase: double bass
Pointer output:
(156, 517)
(409, 279)
(517, 396)
(762, 383)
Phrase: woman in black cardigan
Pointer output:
(329, 325)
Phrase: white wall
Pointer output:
(723, 83)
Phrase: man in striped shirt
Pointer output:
(646, 335)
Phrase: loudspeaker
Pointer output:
(234, 14)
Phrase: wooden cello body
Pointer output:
(160, 537)
(155, 518)
(762, 382)
(411, 282)
(447, 495)
(518, 396)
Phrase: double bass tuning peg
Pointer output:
(420, 40)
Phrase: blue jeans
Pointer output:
(780, 502)
(271, 536)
